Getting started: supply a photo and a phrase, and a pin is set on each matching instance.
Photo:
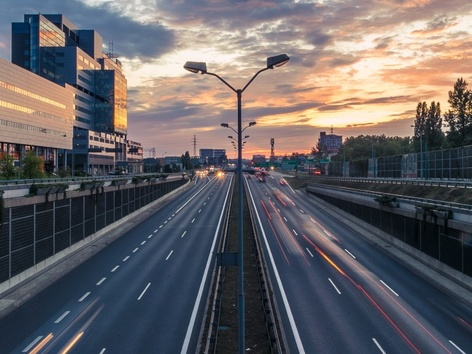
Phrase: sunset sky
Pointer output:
(358, 66)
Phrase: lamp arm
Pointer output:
(222, 80)
(255, 75)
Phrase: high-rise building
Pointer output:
(330, 143)
(212, 156)
(53, 48)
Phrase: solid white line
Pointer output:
(389, 288)
(459, 349)
(101, 280)
(116, 267)
(191, 324)
(349, 253)
(33, 343)
(183, 234)
(168, 256)
(293, 325)
(140, 296)
(84, 296)
(142, 243)
(311, 254)
(378, 346)
(62, 317)
(137, 248)
(334, 286)
(125, 259)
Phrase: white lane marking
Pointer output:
(200, 211)
(140, 296)
(165, 222)
(84, 296)
(155, 231)
(142, 243)
(103, 350)
(125, 259)
(349, 253)
(173, 215)
(193, 220)
(293, 325)
(62, 317)
(149, 236)
(205, 203)
(334, 286)
(378, 346)
(285, 219)
(170, 218)
(295, 232)
(302, 211)
(196, 306)
(137, 248)
(32, 344)
(183, 234)
(311, 254)
(389, 288)
(168, 256)
(116, 267)
(459, 349)
(161, 226)
(101, 281)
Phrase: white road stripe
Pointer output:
(125, 259)
(295, 232)
(140, 296)
(378, 346)
(183, 234)
(349, 253)
(84, 296)
(137, 248)
(32, 344)
(285, 219)
(311, 254)
(101, 281)
(62, 317)
(116, 267)
(389, 288)
(193, 220)
(334, 286)
(169, 254)
(142, 243)
(455, 346)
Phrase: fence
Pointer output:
(29, 234)
(441, 164)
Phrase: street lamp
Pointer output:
(200, 67)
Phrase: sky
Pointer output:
(359, 67)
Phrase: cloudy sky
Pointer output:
(359, 66)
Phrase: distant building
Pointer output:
(258, 159)
(330, 143)
(212, 156)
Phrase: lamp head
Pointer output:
(277, 61)
(225, 125)
(229, 136)
(195, 67)
(251, 124)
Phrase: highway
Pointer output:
(144, 293)
(338, 293)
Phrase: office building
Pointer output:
(52, 48)
(213, 157)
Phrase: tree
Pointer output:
(32, 165)
(186, 161)
(7, 167)
(459, 116)
(368, 146)
(428, 127)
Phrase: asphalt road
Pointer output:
(339, 293)
(143, 293)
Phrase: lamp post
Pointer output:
(200, 67)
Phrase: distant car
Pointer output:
(282, 182)
(317, 172)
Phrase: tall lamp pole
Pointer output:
(200, 67)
